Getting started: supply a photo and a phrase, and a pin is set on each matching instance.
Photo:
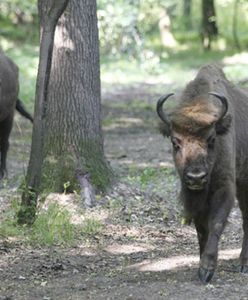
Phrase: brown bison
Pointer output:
(9, 88)
(209, 133)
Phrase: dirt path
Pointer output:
(143, 252)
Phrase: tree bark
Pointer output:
(209, 25)
(187, 13)
(74, 107)
(235, 25)
(164, 25)
(49, 12)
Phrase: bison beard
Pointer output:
(9, 88)
(210, 122)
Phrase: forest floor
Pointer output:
(142, 250)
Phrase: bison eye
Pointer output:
(176, 143)
(211, 141)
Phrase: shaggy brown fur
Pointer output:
(9, 88)
(191, 117)
(211, 157)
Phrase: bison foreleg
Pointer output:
(244, 252)
(220, 206)
(242, 194)
(202, 232)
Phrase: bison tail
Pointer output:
(22, 110)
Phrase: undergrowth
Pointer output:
(53, 226)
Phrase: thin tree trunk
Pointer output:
(235, 23)
(49, 14)
(167, 37)
(187, 13)
(209, 25)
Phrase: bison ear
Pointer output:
(164, 129)
(223, 125)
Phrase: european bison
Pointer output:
(209, 133)
(9, 88)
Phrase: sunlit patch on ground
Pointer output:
(239, 58)
(127, 249)
(75, 206)
(122, 123)
(180, 261)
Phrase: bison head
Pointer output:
(194, 127)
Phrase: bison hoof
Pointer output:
(244, 269)
(205, 275)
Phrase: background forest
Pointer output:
(131, 37)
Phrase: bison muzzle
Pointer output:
(9, 89)
(208, 130)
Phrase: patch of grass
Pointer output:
(151, 175)
(52, 226)
(8, 225)
(91, 226)
(114, 203)
(109, 121)
(160, 186)
(147, 175)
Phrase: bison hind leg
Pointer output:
(5, 129)
(242, 195)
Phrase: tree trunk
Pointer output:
(74, 137)
(187, 13)
(235, 25)
(209, 25)
(49, 13)
(164, 25)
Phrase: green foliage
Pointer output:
(160, 183)
(52, 227)
(59, 173)
(27, 212)
(125, 25)
(91, 226)
(147, 176)
(18, 9)
(131, 27)
(8, 225)
(19, 19)
(152, 175)
(122, 35)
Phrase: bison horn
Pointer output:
(163, 116)
(224, 103)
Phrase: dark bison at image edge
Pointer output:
(209, 134)
(9, 89)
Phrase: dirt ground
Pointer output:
(143, 251)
